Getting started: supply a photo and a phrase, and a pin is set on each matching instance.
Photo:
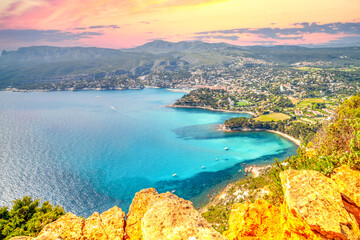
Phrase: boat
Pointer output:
(203, 167)
(174, 175)
(216, 159)
(173, 191)
(226, 148)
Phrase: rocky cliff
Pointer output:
(314, 207)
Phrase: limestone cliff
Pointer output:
(166, 216)
(315, 207)
(151, 216)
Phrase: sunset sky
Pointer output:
(129, 23)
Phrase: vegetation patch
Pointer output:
(27, 218)
(242, 103)
(273, 117)
(308, 102)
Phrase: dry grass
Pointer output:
(273, 117)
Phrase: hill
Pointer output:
(36, 67)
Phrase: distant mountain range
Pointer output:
(30, 65)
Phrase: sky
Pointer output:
(130, 23)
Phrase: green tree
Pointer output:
(26, 218)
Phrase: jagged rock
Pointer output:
(49, 236)
(259, 220)
(165, 216)
(348, 182)
(113, 221)
(137, 210)
(171, 217)
(93, 228)
(315, 199)
(68, 226)
(108, 225)
(294, 227)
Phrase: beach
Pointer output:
(294, 140)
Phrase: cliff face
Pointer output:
(314, 207)
(151, 216)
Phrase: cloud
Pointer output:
(348, 41)
(230, 37)
(296, 32)
(264, 42)
(104, 26)
(32, 35)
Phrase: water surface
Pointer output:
(91, 150)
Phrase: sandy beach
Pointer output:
(294, 140)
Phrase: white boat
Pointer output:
(174, 175)
(173, 191)
(226, 148)
(203, 167)
(216, 159)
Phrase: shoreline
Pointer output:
(212, 109)
(254, 170)
(292, 139)
(178, 90)
(66, 90)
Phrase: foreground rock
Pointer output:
(105, 226)
(151, 216)
(166, 216)
(250, 220)
(348, 182)
(316, 200)
(138, 208)
(313, 208)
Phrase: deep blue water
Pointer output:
(91, 150)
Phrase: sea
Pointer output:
(90, 150)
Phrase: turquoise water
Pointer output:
(90, 150)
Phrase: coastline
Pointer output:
(254, 170)
(292, 139)
(178, 90)
(212, 109)
(66, 89)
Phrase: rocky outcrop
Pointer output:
(250, 220)
(348, 182)
(316, 199)
(166, 216)
(151, 216)
(105, 226)
(68, 226)
(313, 208)
(138, 208)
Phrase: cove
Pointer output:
(91, 150)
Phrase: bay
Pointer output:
(91, 150)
